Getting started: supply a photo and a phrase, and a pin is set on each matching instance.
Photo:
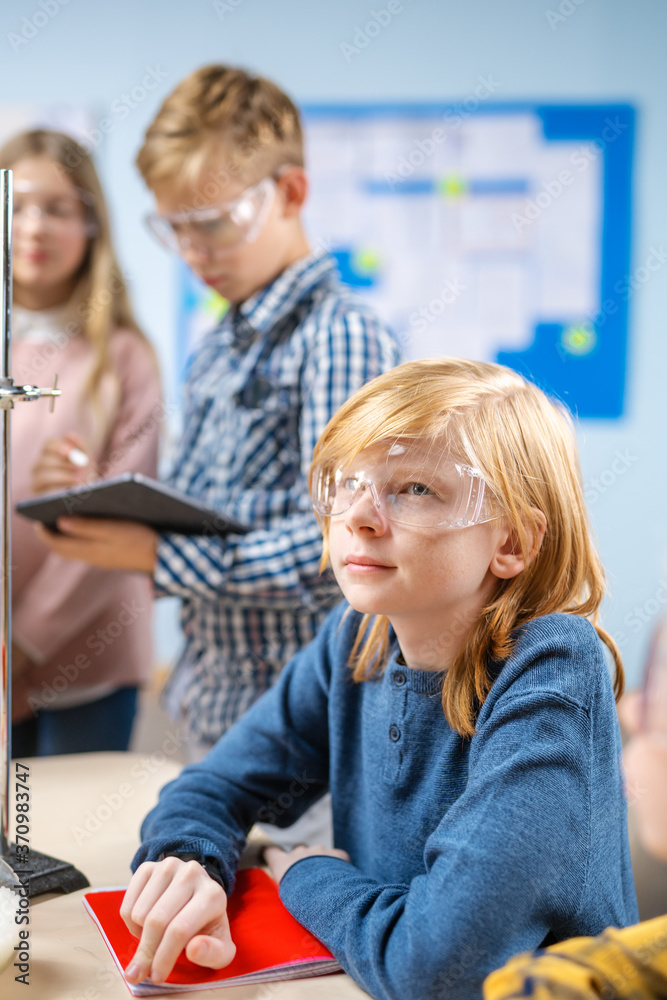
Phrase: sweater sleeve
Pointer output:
(70, 594)
(493, 866)
(281, 565)
(270, 766)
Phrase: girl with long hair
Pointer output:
(81, 636)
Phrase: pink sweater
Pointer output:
(81, 626)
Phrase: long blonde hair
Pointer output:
(524, 446)
(100, 303)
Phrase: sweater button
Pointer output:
(394, 734)
(399, 678)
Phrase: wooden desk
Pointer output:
(86, 809)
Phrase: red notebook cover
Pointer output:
(270, 943)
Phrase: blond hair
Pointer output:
(221, 109)
(524, 446)
(100, 303)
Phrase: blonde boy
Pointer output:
(224, 159)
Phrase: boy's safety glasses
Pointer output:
(410, 483)
(216, 229)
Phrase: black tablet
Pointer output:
(132, 497)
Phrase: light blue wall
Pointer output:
(92, 51)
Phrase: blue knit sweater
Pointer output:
(463, 852)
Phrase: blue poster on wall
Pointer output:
(492, 231)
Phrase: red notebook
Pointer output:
(270, 944)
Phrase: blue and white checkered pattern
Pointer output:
(260, 390)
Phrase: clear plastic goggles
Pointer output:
(216, 229)
(409, 483)
(56, 211)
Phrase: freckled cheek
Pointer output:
(439, 560)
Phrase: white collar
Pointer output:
(38, 326)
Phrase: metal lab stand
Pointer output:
(39, 872)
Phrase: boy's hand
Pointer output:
(171, 905)
(278, 861)
(105, 543)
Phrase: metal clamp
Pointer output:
(10, 393)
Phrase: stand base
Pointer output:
(41, 873)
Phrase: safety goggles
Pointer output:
(410, 483)
(217, 229)
(55, 211)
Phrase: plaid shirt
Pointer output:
(260, 390)
(627, 964)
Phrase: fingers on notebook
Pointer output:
(134, 890)
(214, 950)
(171, 905)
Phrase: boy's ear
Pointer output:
(293, 187)
(508, 560)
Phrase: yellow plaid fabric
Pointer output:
(629, 964)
